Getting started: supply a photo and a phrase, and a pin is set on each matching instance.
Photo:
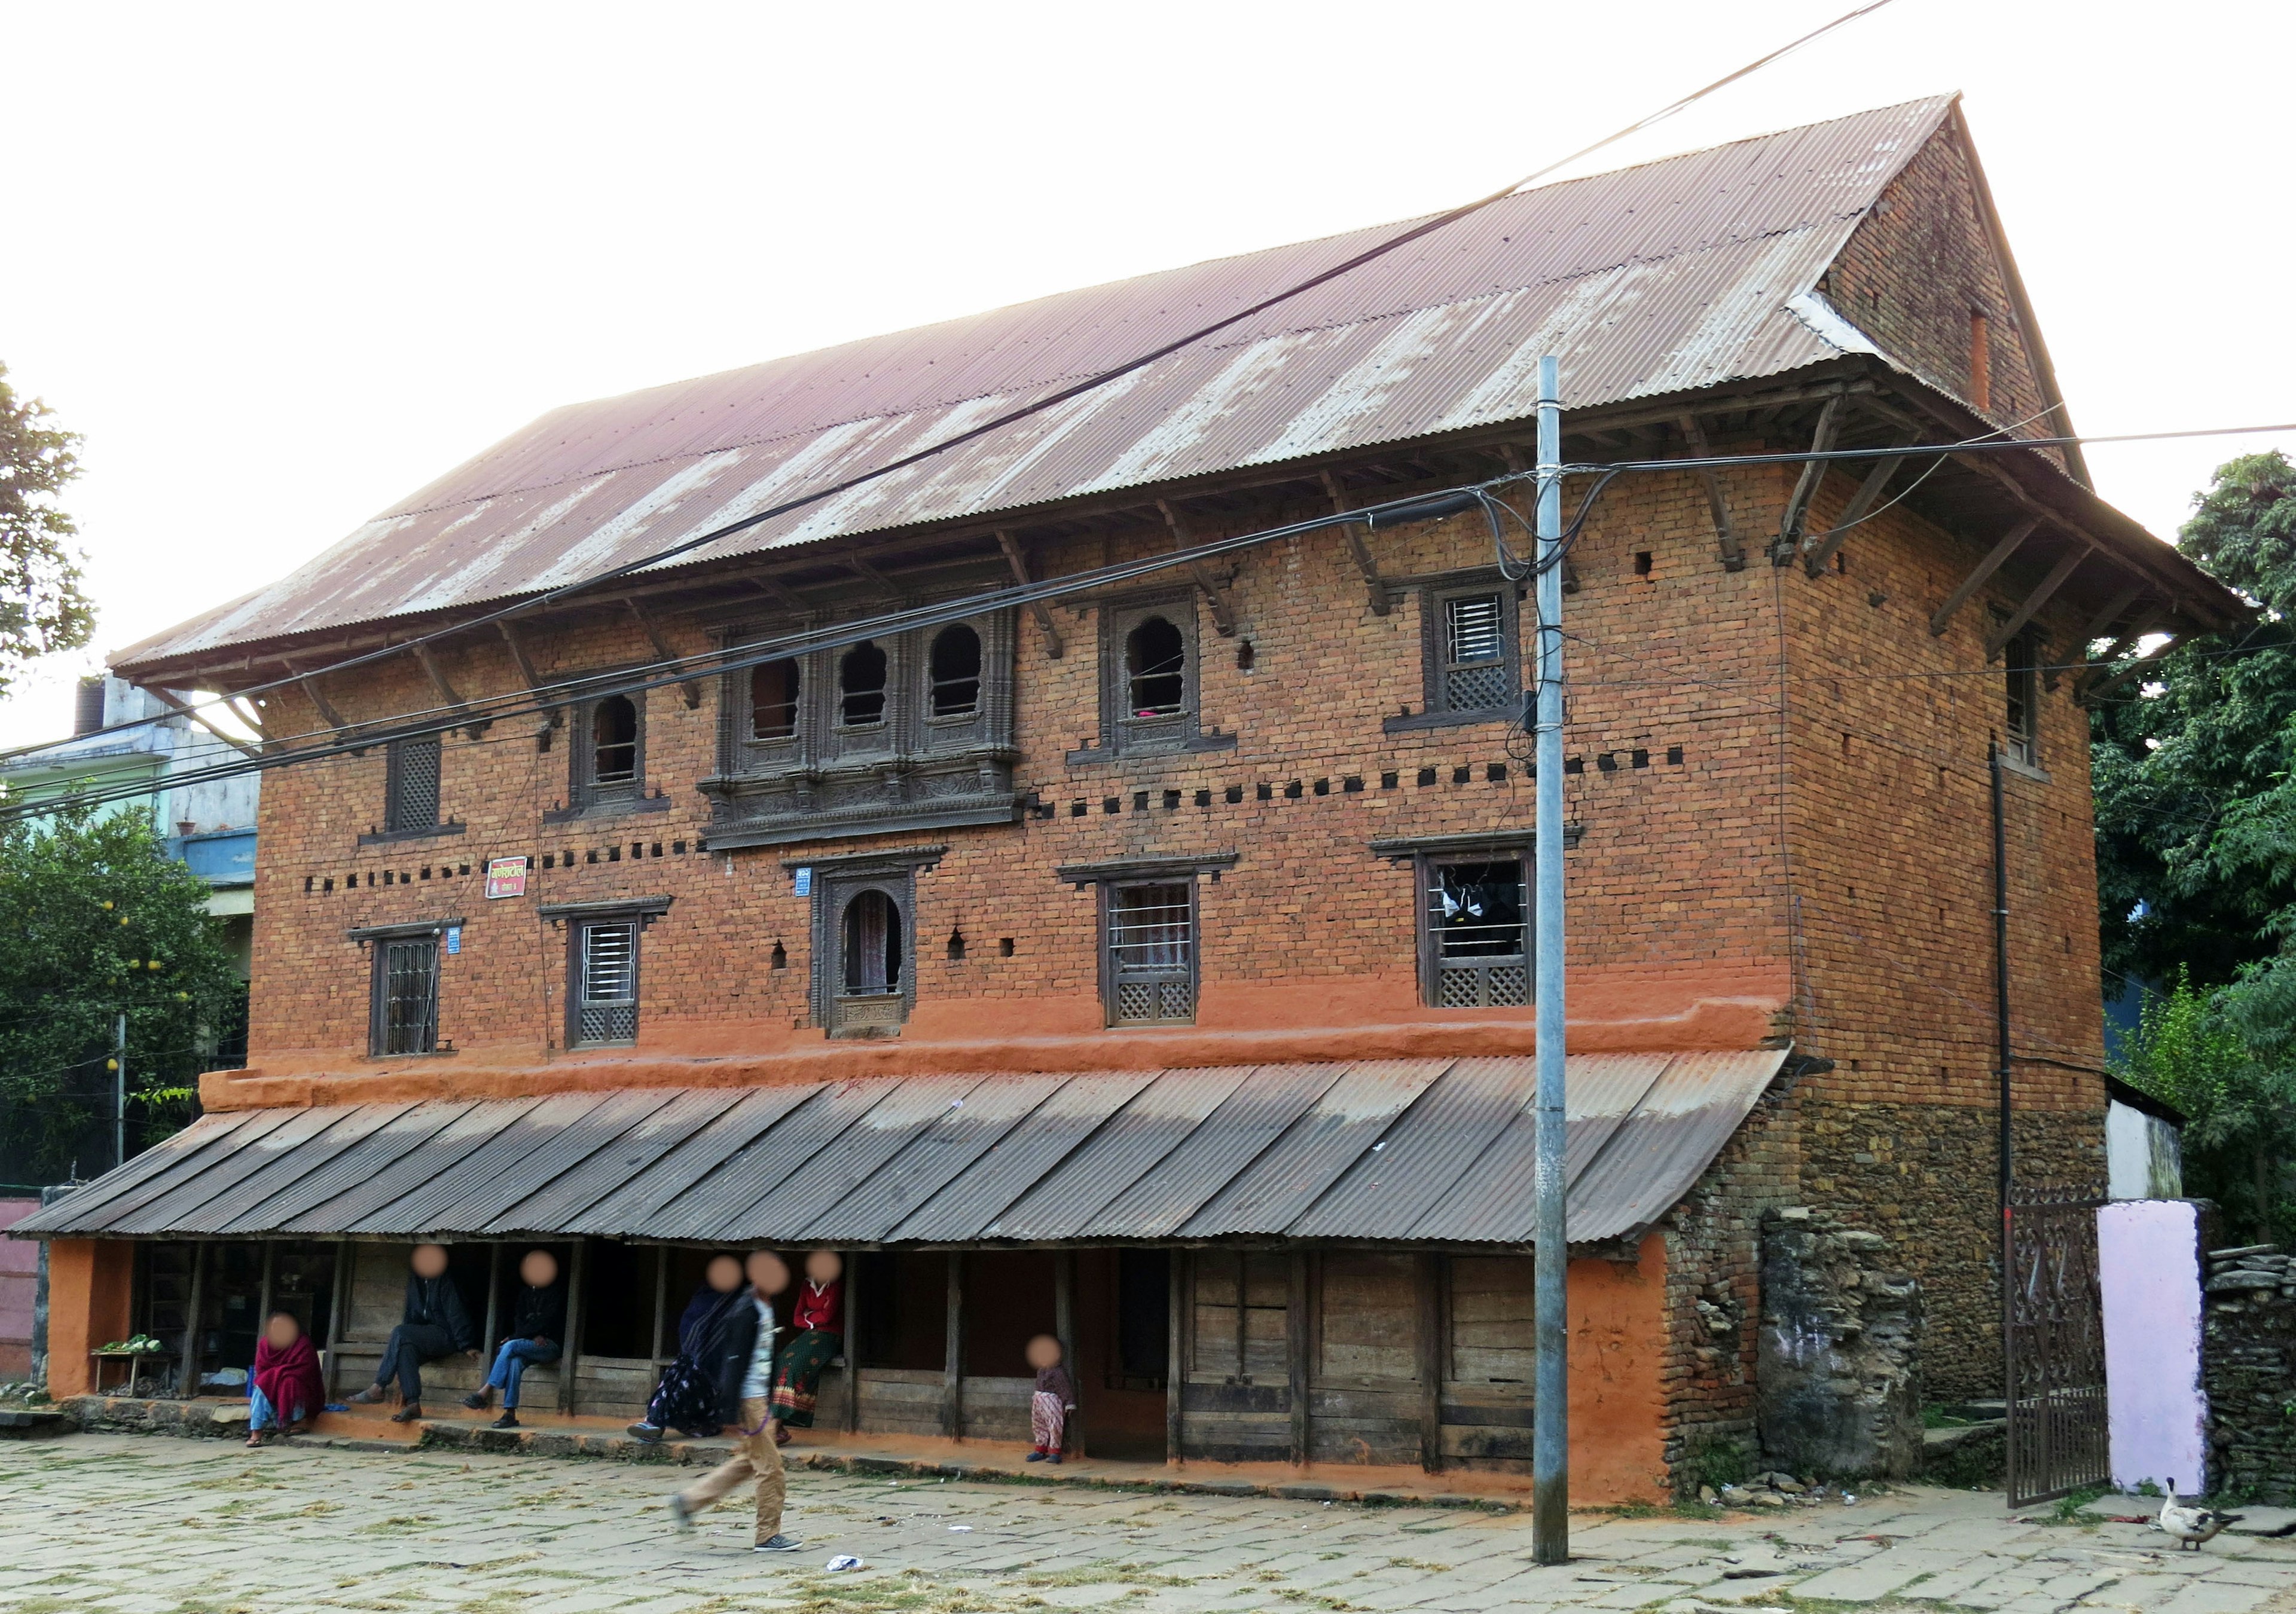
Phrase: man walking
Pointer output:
(740, 1359)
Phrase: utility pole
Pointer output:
(119, 1092)
(1550, 1506)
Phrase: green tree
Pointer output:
(42, 610)
(95, 921)
(2195, 773)
(2223, 1057)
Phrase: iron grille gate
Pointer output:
(2054, 1348)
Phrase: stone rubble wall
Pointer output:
(2248, 1366)
(1837, 1375)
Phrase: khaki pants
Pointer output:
(756, 1454)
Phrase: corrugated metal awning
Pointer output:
(1384, 1150)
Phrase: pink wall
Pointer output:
(20, 1267)
(2149, 1270)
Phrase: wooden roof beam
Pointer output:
(689, 690)
(1353, 533)
(1223, 610)
(1806, 486)
(1042, 610)
(1726, 544)
(2043, 591)
(1819, 549)
(2009, 544)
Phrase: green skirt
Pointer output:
(797, 1375)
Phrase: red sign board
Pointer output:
(506, 877)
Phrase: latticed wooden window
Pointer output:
(405, 1017)
(1476, 674)
(606, 982)
(1479, 951)
(1151, 952)
(410, 796)
(2020, 713)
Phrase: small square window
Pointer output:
(1149, 942)
(411, 788)
(1469, 642)
(1475, 944)
(405, 1018)
(605, 995)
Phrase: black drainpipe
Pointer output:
(2001, 977)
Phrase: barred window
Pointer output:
(606, 982)
(1476, 676)
(405, 1018)
(1150, 944)
(411, 784)
(1477, 947)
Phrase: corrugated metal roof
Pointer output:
(1384, 1152)
(1672, 276)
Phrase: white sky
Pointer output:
(282, 265)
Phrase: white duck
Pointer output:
(2190, 1526)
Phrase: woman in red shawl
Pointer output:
(286, 1390)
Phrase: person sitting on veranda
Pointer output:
(432, 1324)
(686, 1399)
(286, 1389)
(537, 1334)
(818, 1332)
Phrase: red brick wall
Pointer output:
(1919, 265)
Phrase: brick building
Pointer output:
(1149, 963)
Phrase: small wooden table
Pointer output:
(134, 1360)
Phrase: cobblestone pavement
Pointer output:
(152, 1525)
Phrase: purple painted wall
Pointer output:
(2149, 1270)
(20, 1271)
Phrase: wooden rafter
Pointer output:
(690, 690)
(2043, 591)
(2111, 613)
(1813, 472)
(1041, 610)
(1364, 563)
(169, 699)
(309, 684)
(1819, 547)
(1726, 536)
(448, 696)
(1223, 611)
(2008, 545)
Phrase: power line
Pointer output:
(1051, 400)
(671, 671)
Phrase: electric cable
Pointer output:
(1061, 394)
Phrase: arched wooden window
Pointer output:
(1155, 663)
(956, 665)
(871, 945)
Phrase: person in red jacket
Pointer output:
(816, 1334)
(286, 1389)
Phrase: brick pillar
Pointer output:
(89, 1286)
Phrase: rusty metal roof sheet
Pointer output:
(1667, 276)
(1022, 1158)
(1379, 1151)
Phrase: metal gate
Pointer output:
(2054, 1346)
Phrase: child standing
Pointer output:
(1052, 1401)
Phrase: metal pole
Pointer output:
(119, 1092)
(2005, 1159)
(1550, 1516)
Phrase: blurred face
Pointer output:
(824, 1266)
(1043, 1351)
(724, 1274)
(539, 1270)
(767, 1271)
(430, 1260)
(282, 1330)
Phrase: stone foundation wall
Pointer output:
(1839, 1357)
(2248, 1366)
(1923, 1178)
